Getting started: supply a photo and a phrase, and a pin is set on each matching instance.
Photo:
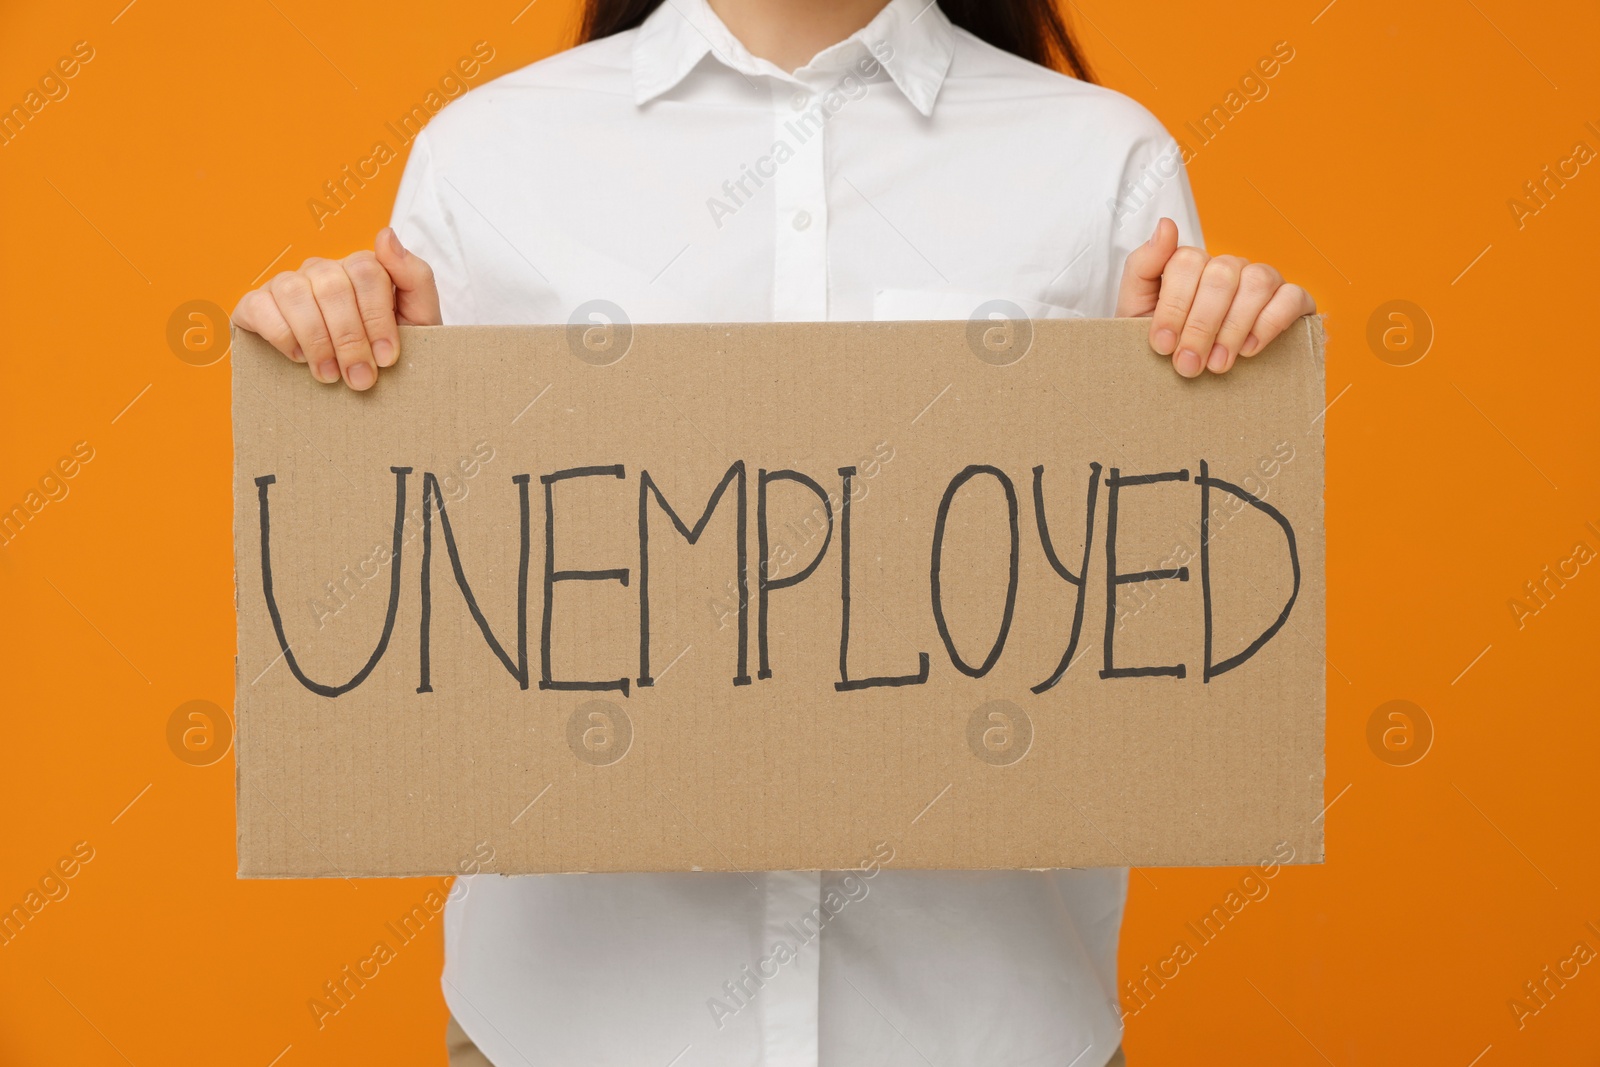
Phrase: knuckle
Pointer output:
(366, 273)
(325, 275)
(380, 322)
(261, 316)
(1174, 299)
(1272, 322)
(1188, 258)
(1171, 310)
(314, 339)
(305, 321)
(1259, 277)
(347, 335)
(292, 289)
(1222, 273)
(1235, 324)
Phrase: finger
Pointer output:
(1219, 281)
(258, 313)
(336, 296)
(1286, 306)
(1178, 285)
(375, 300)
(416, 294)
(1257, 284)
(1141, 274)
(291, 291)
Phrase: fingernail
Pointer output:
(361, 376)
(1165, 340)
(383, 350)
(1218, 360)
(297, 355)
(395, 237)
(1250, 345)
(1187, 363)
(327, 372)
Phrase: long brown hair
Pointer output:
(1032, 29)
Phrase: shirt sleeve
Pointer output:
(426, 227)
(1154, 185)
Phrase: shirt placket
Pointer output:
(800, 240)
(792, 900)
(792, 916)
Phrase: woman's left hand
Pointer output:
(1206, 311)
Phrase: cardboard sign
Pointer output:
(1001, 594)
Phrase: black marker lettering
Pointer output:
(432, 495)
(1061, 570)
(1114, 484)
(764, 585)
(552, 576)
(1206, 484)
(844, 684)
(1011, 587)
(394, 587)
(647, 485)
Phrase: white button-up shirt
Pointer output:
(910, 172)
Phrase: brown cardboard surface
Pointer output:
(743, 744)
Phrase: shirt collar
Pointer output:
(913, 39)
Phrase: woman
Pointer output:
(746, 160)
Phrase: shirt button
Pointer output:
(802, 219)
(801, 99)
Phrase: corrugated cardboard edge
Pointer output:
(1317, 332)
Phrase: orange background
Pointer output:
(1378, 168)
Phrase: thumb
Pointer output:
(416, 297)
(1141, 275)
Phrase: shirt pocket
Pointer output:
(918, 304)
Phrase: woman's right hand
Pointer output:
(341, 317)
